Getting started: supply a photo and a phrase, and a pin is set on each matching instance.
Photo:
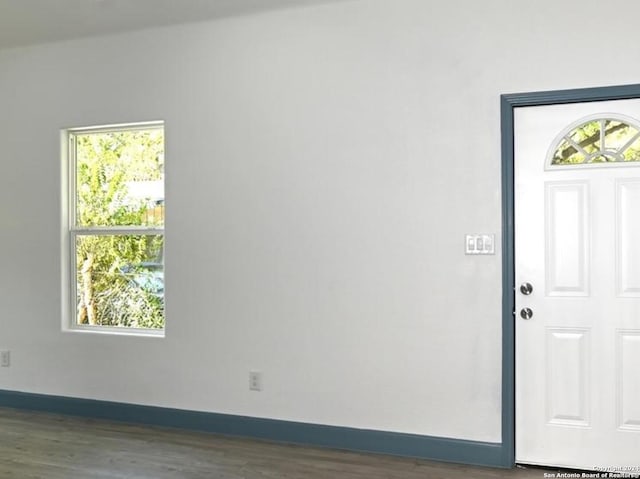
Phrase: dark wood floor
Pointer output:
(37, 445)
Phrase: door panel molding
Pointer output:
(628, 383)
(627, 237)
(567, 266)
(508, 103)
(567, 398)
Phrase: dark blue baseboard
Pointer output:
(399, 444)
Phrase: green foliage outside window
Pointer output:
(598, 141)
(119, 184)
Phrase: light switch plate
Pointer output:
(480, 244)
(5, 359)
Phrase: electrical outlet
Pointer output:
(255, 380)
(5, 359)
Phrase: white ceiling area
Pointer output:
(27, 22)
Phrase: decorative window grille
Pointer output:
(609, 139)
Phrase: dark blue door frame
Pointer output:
(508, 103)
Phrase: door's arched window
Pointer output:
(599, 140)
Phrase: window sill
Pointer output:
(115, 331)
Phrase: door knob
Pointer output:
(526, 289)
(526, 313)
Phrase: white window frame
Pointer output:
(70, 231)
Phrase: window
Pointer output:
(606, 139)
(116, 227)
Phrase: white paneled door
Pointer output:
(577, 246)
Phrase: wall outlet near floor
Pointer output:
(255, 380)
(5, 359)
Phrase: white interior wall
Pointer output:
(323, 166)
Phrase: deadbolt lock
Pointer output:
(526, 313)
